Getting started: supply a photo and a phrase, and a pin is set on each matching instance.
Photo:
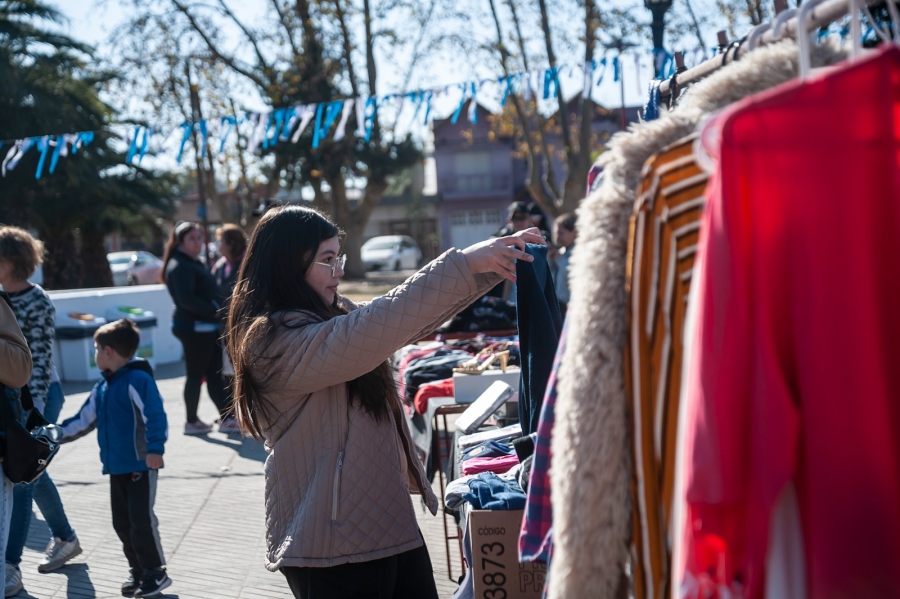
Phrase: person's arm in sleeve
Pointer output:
(182, 282)
(83, 422)
(40, 330)
(318, 355)
(15, 357)
(146, 398)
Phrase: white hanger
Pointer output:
(895, 19)
(803, 34)
(780, 21)
(855, 29)
(755, 34)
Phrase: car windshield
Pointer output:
(116, 260)
(380, 244)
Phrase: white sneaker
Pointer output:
(13, 581)
(197, 428)
(229, 426)
(58, 552)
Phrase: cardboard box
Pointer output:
(469, 387)
(496, 571)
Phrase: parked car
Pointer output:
(391, 252)
(134, 268)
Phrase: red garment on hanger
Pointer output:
(796, 370)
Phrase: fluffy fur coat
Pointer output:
(591, 474)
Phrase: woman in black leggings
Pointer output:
(196, 324)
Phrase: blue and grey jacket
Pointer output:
(126, 409)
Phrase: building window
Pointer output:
(458, 217)
(493, 217)
(476, 217)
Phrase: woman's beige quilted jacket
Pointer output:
(338, 482)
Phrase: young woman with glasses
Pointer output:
(312, 379)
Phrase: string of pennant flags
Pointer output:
(265, 129)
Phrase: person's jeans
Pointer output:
(6, 504)
(43, 492)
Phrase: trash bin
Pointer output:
(75, 335)
(146, 321)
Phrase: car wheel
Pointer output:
(131, 280)
(397, 265)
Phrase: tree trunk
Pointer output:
(354, 227)
(96, 271)
(353, 221)
(62, 264)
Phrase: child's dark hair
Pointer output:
(123, 336)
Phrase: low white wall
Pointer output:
(155, 298)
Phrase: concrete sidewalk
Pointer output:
(210, 509)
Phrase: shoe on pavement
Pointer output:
(59, 552)
(155, 581)
(13, 581)
(197, 428)
(229, 426)
(133, 583)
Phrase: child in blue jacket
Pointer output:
(126, 409)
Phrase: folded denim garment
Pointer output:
(487, 491)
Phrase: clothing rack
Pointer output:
(823, 14)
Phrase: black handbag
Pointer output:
(28, 443)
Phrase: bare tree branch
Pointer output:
(214, 49)
(288, 31)
(263, 64)
(536, 190)
(347, 44)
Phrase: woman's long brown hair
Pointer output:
(272, 279)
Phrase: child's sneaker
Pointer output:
(197, 428)
(154, 582)
(133, 583)
(58, 552)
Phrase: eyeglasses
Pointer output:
(341, 261)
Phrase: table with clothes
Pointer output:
(425, 381)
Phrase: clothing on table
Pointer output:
(488, 449)
(534, 536)
(37, 318)
(436, 367)
(498, 434)
(442, 388)
(132, 496)
(661, 249)
(203, 359)
(453, 494)
(487, 491)
(489, 313)
(497, 465)
(791, 378)
(540, 324)
(411, 356)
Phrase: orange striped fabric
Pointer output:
(661, 248)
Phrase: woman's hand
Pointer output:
(499, 255)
